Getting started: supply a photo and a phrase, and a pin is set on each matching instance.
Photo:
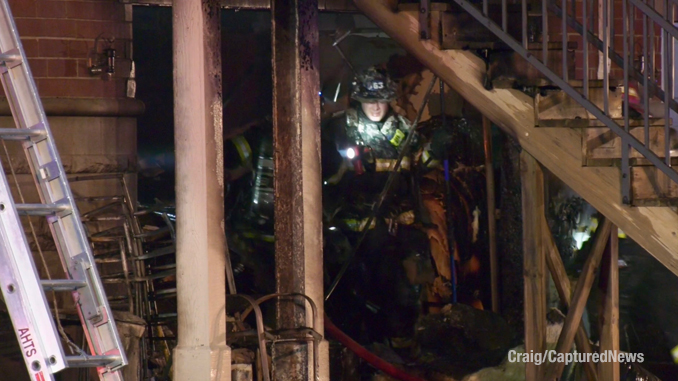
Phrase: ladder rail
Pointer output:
(67, 229)
(34, 329)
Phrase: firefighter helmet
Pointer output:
(373, 85)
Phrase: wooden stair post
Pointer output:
(534, 261)
(581, 294)
(609, 333)
(557, 270)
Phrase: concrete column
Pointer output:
(298, 193)
(202, 353)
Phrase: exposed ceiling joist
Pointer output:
(323, 5)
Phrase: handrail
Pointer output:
(314, 316)
(612, 54)
(630, 9)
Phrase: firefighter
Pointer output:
(393, 270)
(248, 174)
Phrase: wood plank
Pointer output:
(609, 333)
(557, 107)
(602, 144)
(534, 262)
(323, 5)
(651, 187)
(558, 149)
(562, 282)
(581, 294)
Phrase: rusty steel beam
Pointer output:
(297, 177)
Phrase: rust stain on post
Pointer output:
(297, 179)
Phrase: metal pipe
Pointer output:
(314, 318)
(343, 56)
(448, 200)
(586, 49)
(544, 32)
(646, 97)
(504, 23)
(491, 217)
(564, 35)
(261, 334)
(606, 58)
(384, 192)
(524, 22)
(653, 57)
(666, 84)
(626, 176)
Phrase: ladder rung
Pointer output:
(21, 133)
(40, 209)
(91, 361)
(62, 284)
(10, 57)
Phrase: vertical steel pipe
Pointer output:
(544, 31)
(564, 36)
(524, 22)
(606, 55)
(504, 17)
(666, 83)
(626, 176)
(491, 215)
(585, 46)
(646, 97)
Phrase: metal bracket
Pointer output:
(424, 19)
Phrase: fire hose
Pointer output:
(366, 355)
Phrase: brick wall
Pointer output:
(60, 40)
(555, 34)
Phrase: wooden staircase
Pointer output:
(565, 151)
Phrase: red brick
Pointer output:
(51, 9)
(80, 48)
(110, 11)
(28, 27)
(53, 48)
(46, 28)
(38, 67)
(121, 46)
(81, 87)
(62, 68)
(30, 47)
(105, 29)
(83, 68)
(23, 8)
(58, 28)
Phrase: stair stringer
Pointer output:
(557, 149)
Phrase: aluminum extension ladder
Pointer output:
(23, 290)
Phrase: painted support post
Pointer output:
(202, 353)
(609, 336)
(534, 260)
